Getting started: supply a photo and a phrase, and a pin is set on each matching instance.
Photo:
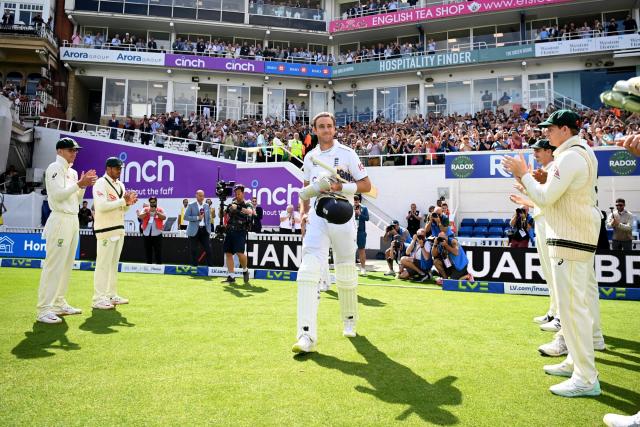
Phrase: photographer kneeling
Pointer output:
(239, 213)
(417, 263)
(450, 259)
(398, 236)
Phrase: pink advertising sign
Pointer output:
(435, 12)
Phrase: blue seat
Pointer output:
(465, 232)
(496, 222)
(468, 222)
(480, 232)
(482, 222)
(507, 223)
(495, 232)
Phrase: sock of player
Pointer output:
(308, 278)
(347, 284)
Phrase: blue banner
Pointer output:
(477, 286)
(276, 275)
(305, 70)
(186, 270)
(25, 245)
(611, 162)
(21, 263)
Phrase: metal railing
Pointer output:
(542, 98)
(193, 51)
(161, 140)
(41, 31)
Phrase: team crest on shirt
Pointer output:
(60, 242)
(105, 242)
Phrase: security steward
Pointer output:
(65, 192)
(111, 201)
(569, 199)
(239, 213)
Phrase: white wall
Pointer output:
(6, 122)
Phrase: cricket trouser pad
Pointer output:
(347, 284)
(105, 277)
(308, 277)
(575, 286)
(545, 262)
(61, 235)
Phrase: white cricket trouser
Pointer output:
(545, 263)
(575, 287)
(292, 116)
(105, 278)
(319, 236)
(61, 234)
(206, 111)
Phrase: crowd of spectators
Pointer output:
(288, 9)
(37, 22)
(573, 31)
(374, 7)
(200, 46)
(393, 49)
(417, 140)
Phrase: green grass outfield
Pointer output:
(192, 351)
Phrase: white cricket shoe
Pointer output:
(615, 420)
(576, 388)
(117, 300)
(390, 273)
(49, 317)
(541, 320)
(349, 330)
(66, 310)
(555, 348)
(599, 345)
(363, 271)
(103, 304)
(304, 345)
(563, 369)
(552, 326)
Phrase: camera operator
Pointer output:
(620, 220)
(520, 225)
(152, 225)
(397, 236)
(413, 220)
(240, 213)
(439, 222)
(450, 259)
(417, 262)
(362, 216)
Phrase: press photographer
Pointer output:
(417, 262)
(397, 236)
(520, 225)
(450, 259)
(239, 214)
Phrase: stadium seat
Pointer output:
(468, 222)
(482, 222)
(480, 232)
(496, 222)
(495, 232)
(465, 231)
(507, 223)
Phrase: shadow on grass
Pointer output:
(369, 302)
(102, 321)
(243, 291)
(43, 337)
(613, 342)
(624, 400)
(394, 383)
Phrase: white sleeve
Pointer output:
(55, 181)
(308, 164)
(559, 178)
(101, 200)
(356, 169)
